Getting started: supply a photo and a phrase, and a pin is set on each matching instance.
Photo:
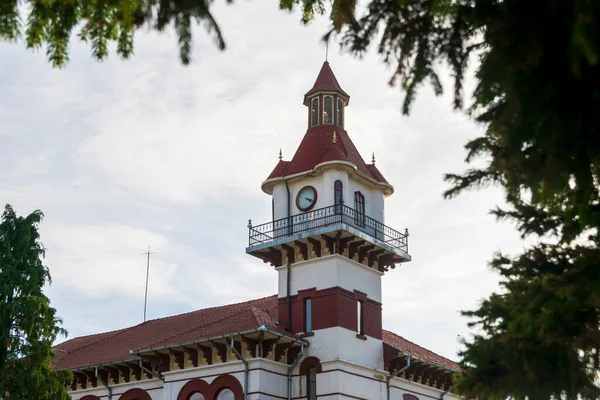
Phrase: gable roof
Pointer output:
(115, 346)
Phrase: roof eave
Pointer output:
(311, 93)
(432, 363)
(261, 328)
(386, 188)
(267, 186)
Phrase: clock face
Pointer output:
(307, 198)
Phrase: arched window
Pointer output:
(225, 394)
(195, 389)
(328, 110)
(135, 394)
(340, 113)
(314, 111)
(338, 188)
(359, 208)
(310, 367)
(225, 387)
(311, 383)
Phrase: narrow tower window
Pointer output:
(328, 110)
(359, 208)
(338, 188)
(311, 383)
(307, 315)
(314, 111)
(360, 328)
(340, 113)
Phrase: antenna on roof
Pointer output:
(147, 254)
(326, 49)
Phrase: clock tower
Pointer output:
(327, 240)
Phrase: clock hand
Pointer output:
(308, 199)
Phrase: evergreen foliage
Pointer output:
(50, 23)
(28, 324)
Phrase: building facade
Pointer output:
(321, 336)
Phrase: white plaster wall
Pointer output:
(331, 271)
(154, 387)
(269, 377)
(271, 380)
(342, 344)
(324, 184)
(340, 376)
(265, 376)
(175, 380)
(373, 199)
(399, 386)
(279, 201)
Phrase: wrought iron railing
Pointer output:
(323, 217)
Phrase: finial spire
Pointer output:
(326, 50)
(373, 159)
(280, 155)
(334, 138)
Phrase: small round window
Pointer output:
(225, 394)
(197, 396)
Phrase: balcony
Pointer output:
(342, 229)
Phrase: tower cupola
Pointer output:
(326, 101)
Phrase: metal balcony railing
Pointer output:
(324, 217)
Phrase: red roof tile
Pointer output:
(376, 174)
(197, 325)
(318, 147)
(326, 82)
(406, 346)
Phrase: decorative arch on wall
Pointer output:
(135, 394)
(225, 381)
(90, 397)
(407, 396)
(194, 386)
(310, 367)
(310, 362)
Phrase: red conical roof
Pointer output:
(325, 82)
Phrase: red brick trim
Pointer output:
(194, 386)
(136, 394)
(204, 376)
(310, 362)
(226, 381)
(342, 394)
(407, 396)
(358, 295)
(412, 391)
(267, 394)
(333, 307)
(307, 293)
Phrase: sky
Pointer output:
(122, 155)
